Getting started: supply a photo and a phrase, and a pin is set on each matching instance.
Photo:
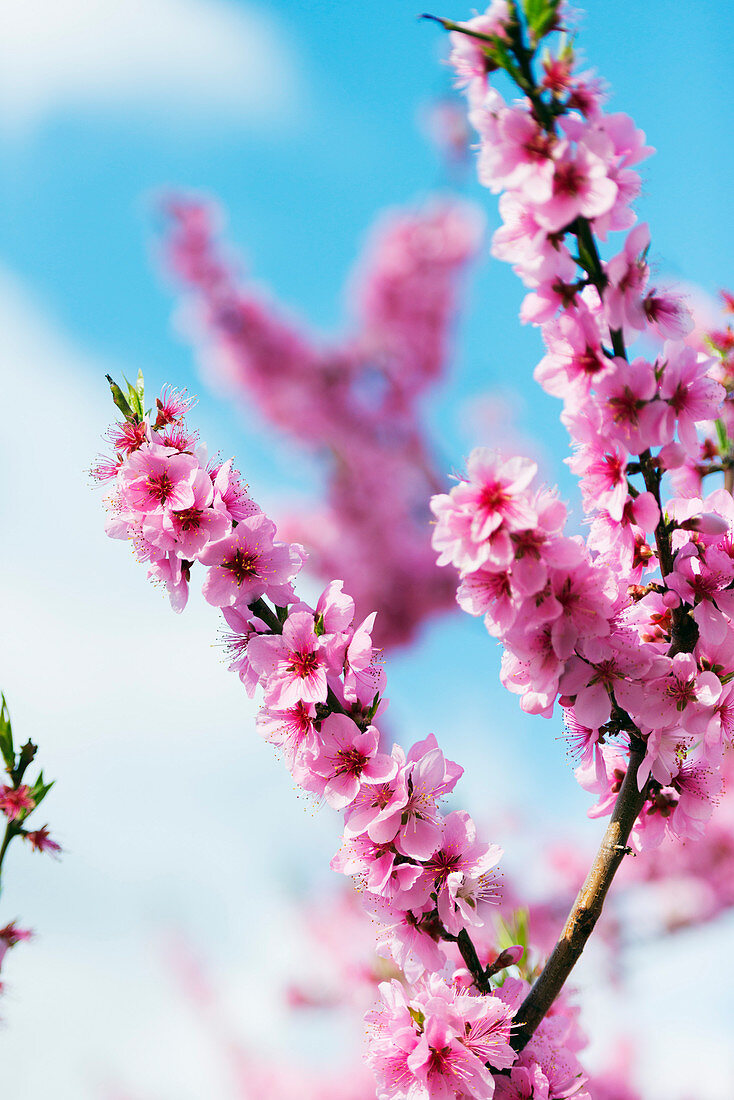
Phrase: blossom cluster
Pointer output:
(630, 629)
(713, 336)
(18, 800)
(355, 399)
(426, 876)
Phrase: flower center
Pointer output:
(189, 519)
(243, 565)
(303, 664)
(350, 761)
(160, 487)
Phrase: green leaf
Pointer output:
(721, 435)
(120, 400)
(134, 400)
(513, 931)
(39, 790)
(373, 707)
(541, 16)
(6, 736)
(499, 53)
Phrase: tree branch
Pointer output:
(588, 905)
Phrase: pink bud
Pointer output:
(708, 523)
(508, 957)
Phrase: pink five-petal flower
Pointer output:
(575, 358)
(377, 809)
(347, 758)
(692, 394)
(187, 531)
(581, 185)
(627, 273)
(15, 801)
(668, 314)
(474, 520)
(678, 697)
(232, 493)
(294, 734)
(459, 851)
(496, 492)
(155, 478)
(243, 626)
(292, 665)
(248, 564)
(429, 777)
(403, 940)
(626, 395)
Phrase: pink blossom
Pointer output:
(689, 391)
(171, 571)
(292, 666)
(467, 55)
(404, 939)
(627, 273)
(232, 493)
(475, 519)
(428, 777)
(581, 185)
(699, 785)
(378, 807)
(293, 732)
(40, 841)
(188, 531)
(172, 406)
(626, 397)
(458, 872)
(347, 758)
(243, 626)
(678, 697)
(11, 935)
(574, 357)
(155, 478)
(435, 1042)
(668, 314)
(248, 564)
(364, 675)
(16, 802)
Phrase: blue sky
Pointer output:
(301, 118)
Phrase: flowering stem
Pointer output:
(587, 908)
(470, 957)
(10, 832)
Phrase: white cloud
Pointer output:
(179, 61)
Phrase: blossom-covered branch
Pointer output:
(630, 630)
(426, 877)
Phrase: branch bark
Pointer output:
(587, 908)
